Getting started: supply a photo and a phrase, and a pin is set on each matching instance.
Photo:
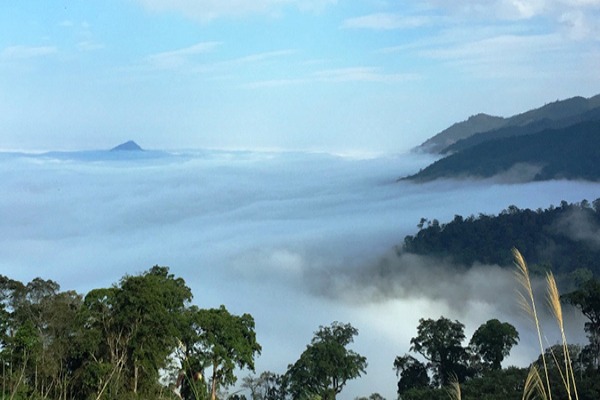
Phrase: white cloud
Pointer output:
(493, 9)
(207, 10)
(580, 25)
(361, 74)
(252, 58)
(337, 75)
(386, 21)
(24, 52)
(88, 45)
(292, 238)
(177, 58)
(559, 11)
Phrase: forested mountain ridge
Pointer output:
(483, 124)
(531, 128)
(460, 130)
(563, 237)
(567, 153)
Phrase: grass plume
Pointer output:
(534, 383)
(567, 375)
(527, 302)
(454, 389)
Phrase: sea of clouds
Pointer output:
(298, 240)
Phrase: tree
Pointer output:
(587, 300)
(326, 365)
(440, 343)
(492, 342)
(266, 386)
(129, 332)
(220, 341)
(38, 328)
(152, 305)
(412, 374)
(372, 396)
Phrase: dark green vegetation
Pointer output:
(566, 153)
(440, 343)
(477, 367)
(460, 130)
(563, 237)
(141, 339)
(520, 130)
(557, 141)
(113, 343)
(482, 127)
(326, 365)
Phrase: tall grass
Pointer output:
(538, 381)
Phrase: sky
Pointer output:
(297, 240)
(347, 76)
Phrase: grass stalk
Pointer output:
(454, 389)
(527, 302)
(568, 375)
(534, 385)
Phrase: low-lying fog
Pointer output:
(297, 240)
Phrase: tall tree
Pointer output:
(131, 330)
(440, 342)
(220, 341)
(587, 300)
(492, 342)
(411, 372)
(39, 325)
(326, 365)
(266, 386)
(152, 304)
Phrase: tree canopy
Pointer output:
(327, 364)
(562, 237)
(440, 342)
(492, 342)
(218, 340)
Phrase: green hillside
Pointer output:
(567, 153)
(564, 237)
(557, 114)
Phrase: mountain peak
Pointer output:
(127, 146)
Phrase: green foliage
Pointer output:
(501, 384)
(570, 152)
(492, 342)
(587, 300)
(266, 386)
(326, 365)
(218, 340)
(440, 342)
(412, 374)
(559, 236)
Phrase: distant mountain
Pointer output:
(567, 153)
(127, 146)
(533, 127)
(460, 130)
(552, 115)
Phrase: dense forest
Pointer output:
(563, 238)
(521, 130)
(143, 339)
(566, 153)
(482, 127)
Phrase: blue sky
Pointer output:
(328, 75)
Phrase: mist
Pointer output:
(297, 240)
